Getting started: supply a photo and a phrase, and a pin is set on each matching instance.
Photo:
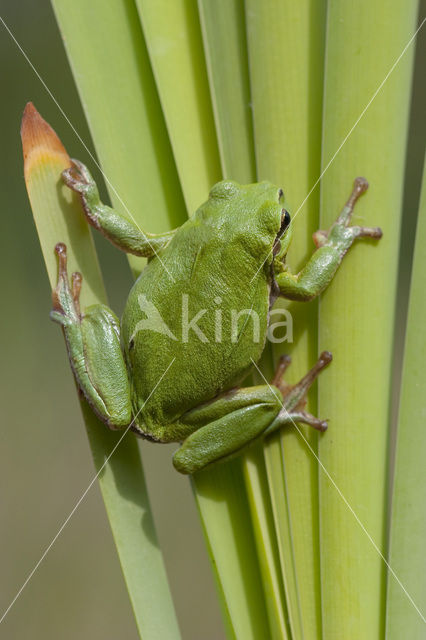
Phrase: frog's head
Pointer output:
(254, 214)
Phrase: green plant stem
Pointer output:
(58, 217)
(173, 37)
(357, 311)
(225, 44)
(286, 84)
(266, 541)
(225, 514)
(408, 523)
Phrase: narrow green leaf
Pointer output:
(286, 84)
(225, 515)
(408, 523)
(58, 217)
(357, 311)
(108, 57)
(225, 45)
(173, 37)
(278, 495)
(258, 491)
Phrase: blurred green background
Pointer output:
(45, 464)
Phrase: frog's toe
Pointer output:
(65, 299)
(71, 179)
(306, 418)
(78, 178)
(277, 381)
(295, 395)
(367, 232)
(81, 170)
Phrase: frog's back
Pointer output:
(204, 270)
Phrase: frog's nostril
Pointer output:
(280, 194)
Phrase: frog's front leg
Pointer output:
(93, 343)
(123, 233)
(223, 427)
(332, 247)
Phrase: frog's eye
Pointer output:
(285, 221)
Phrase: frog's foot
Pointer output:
(78, 178)
(93, 344)
(294, 396)
(360, 186)
(66, 299)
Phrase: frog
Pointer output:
(172, 379)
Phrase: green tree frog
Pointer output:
(192, 309)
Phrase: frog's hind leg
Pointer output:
(219, 429)
(93, 344)
(222, 428)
